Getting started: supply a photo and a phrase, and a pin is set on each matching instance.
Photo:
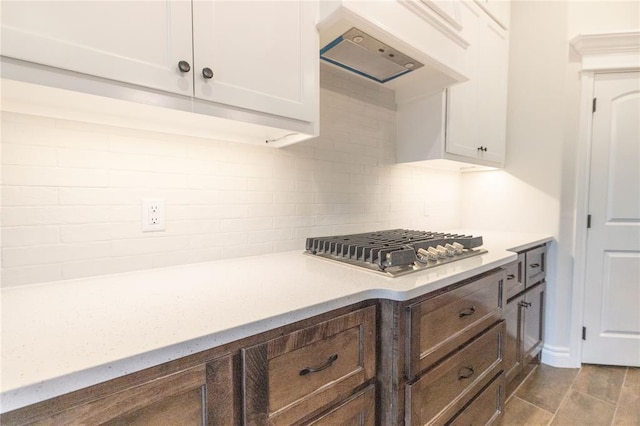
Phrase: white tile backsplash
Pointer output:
(71, 191)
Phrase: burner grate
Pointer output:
(394, 248)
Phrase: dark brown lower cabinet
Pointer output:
(524, 315)
(443, 391)
(359, 410)
(198, 395)
(486, 407)
(293, 378)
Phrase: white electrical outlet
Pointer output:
(153, 215)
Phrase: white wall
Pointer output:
(536, 191)
(71, 191)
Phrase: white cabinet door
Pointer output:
(462, 100)
(477, 109)
(263, 55)
(500, 10)
(492, 94)
(137, 42)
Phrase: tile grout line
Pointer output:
(615, 411)
(534, 405)
(566, 395)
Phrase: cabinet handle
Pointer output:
(465, 373)
(184, 66)
(525, 304)
(482, 148)
(467, 311)
(330, 361)
(510, 277)
(535, 265)
(207, 73)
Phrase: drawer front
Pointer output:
(514, 277)
(536, 265)
(451, 383)
(439, 325)
(359, 410)
(289, 377)
(486, 408)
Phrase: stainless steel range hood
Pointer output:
(363, 54)
(402, 44)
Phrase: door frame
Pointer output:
(599, 53)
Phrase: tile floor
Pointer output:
(592, 395)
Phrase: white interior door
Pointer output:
(612, 286)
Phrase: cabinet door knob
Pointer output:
(207, 73)
(327, 364)
(184, 66)
(465, 373)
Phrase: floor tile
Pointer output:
(521, 412)
(546, 386)
(583, 410)
(600, 381)
(628, 412)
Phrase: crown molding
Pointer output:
(610, 51)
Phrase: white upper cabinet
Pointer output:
(250, 62)
(465, 123)
(261, 55)
(133, 42)
(500, 10)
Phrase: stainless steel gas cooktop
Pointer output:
(396, 252)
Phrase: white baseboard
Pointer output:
(558, 356)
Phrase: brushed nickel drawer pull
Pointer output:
(465, 373)
(510, 277)
(535, 265)
(467, 311)
(330, 361)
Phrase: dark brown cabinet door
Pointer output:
(512, 345)
(533, 326)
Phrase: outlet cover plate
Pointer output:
(153, 216)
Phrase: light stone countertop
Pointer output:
(63, 336)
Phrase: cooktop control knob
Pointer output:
(458, 247)
(442, 252)
(451, 250)
(433, 253)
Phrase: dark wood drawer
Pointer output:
(287, 378)
(486, 408)
(431, 399)
(536, 265)
(359, 410)
(514, 277)
(439, 325)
